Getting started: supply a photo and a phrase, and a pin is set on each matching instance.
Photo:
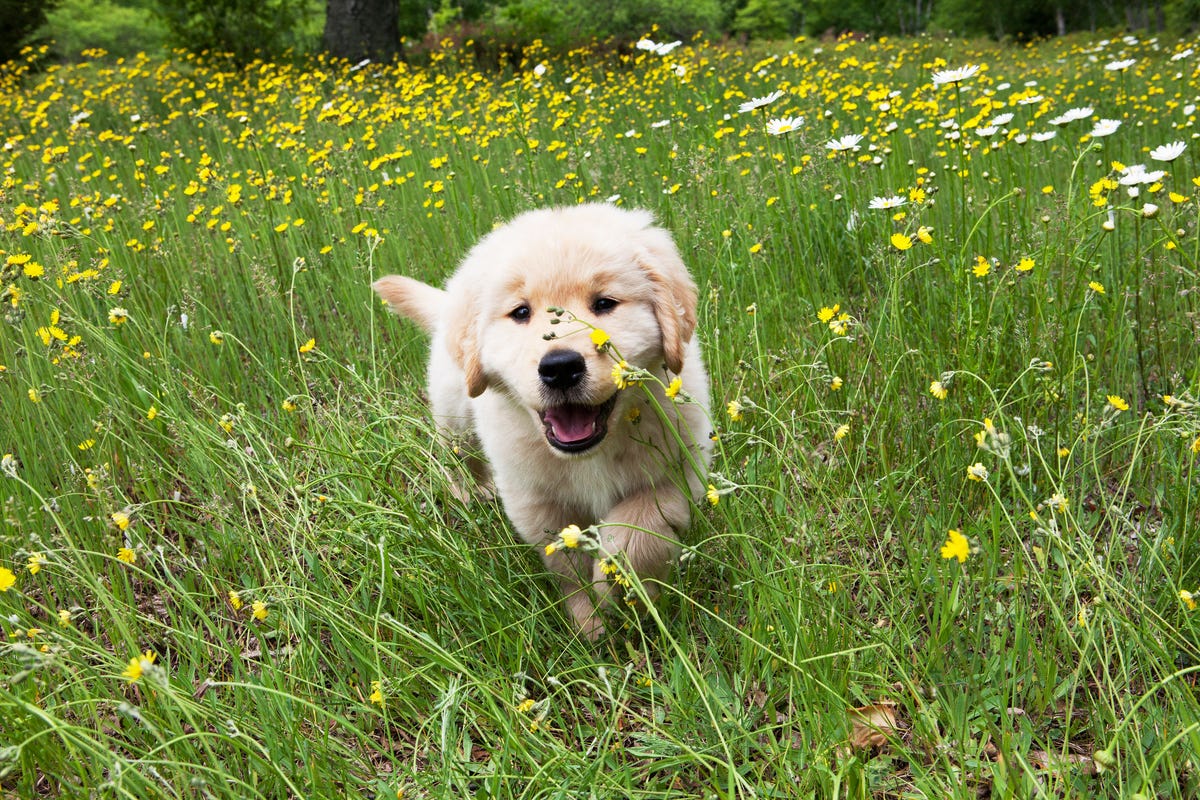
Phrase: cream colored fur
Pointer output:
(484, 383)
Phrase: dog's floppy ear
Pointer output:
(462, 339)
(429, 307)
(674, 294)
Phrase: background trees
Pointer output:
(384, 29)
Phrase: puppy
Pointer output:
(518, 365)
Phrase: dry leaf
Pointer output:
(870, 726)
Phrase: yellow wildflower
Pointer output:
(138, 666)
(956, 546)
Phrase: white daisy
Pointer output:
(1136, 174)
(895, 201)
(1182, 54)
(778, 127)
(1120, 66)
(1001, 120)
(955, 75)
(987, 131)
(848, 142)
(1168, 152)
(759, 102)
(1072, 115)
(1043, 136)
(1105, 127)
(657, 49)
(1031, 100)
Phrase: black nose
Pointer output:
(562, 369)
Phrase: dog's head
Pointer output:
(604, 268)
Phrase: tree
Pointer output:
(358, 29)
(20, 20)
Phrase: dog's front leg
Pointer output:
(644, 526)
(539, 523)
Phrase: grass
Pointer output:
(236, 565)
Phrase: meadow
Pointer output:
(949, 299)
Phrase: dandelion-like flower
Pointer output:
(1188, 599)
(235, 599)
(712, 495)
(977, 472)
(138, 666)
(956, 546)
(258, 610)
(7, 579)
(674, 388)
(600, 338)
(36, 562)
(216, 337)
(849, 142)
(938, 390)
(1118, 402)
(1168, 152)
(376, 693)
(901, 241)
(120, 519)
(1096, 286)
(778, 127)
(127, 555)
(734, 409)
(308, 346)
(942, 77)
(842, 431)
(760, 102)
(118, 316)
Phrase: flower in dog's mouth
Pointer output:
(574, 427)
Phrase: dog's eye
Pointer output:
(521, 313)
(602, 305)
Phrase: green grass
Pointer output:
(405, 633)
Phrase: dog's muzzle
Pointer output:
(571, 427)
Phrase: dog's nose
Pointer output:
(562, 369)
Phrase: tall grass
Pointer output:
(237, 565)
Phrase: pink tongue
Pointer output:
(571, 423)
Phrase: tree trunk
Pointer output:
(358, 29)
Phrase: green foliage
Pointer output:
(245, 29)
(120, 29)
(564, 23)
(203, 396)
(20, 21)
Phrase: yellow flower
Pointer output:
(118, 316)
(258, 610)
(734, 409)
(34, 395)
(982, 267)
(138, 665)
(925, 234)
(756, 247)
(712, 495)
(672, 391)
(525, 706)
(36, 561)
(956, 546)
(7, 579)
(570, 536)
(620, 374)
(376, 693)
(1024, 265)
(64, 617)
(288, 405)
(33, 270)
(235, 599)
(901, 242)
(1118, 402)
(1096, 287)
(127, 555)
(308, 346)
(977, 472)
(1188, 598)
(1196, 445)
(216, 337)
(826, 313)
(120, 519)
(152, 412)
(841, 432)
(938, 390)
(836, 383)
(599, 338)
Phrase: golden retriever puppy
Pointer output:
(515, 367)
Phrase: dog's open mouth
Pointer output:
(574, 428)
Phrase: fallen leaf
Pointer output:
(870, 726)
